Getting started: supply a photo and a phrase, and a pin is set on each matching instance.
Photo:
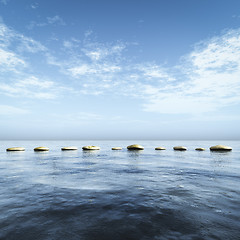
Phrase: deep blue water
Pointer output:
(119, 195)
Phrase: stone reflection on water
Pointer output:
(105, 194)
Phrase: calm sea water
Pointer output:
(119, 195)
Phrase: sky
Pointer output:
(110, 69)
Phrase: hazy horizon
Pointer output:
(139, 139)
(119, 70)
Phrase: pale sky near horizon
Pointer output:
(140, 69)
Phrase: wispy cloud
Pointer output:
(29, 45)
(236, 16)
(205, 80)
(88, 33)
(16, 73)
(92, 64)
(55, 20)
(89, 69)
(211, 79)
(10, 61)
(98, 52)
(10, 39)
(5, 2)
(31, 87)
(34, 5)
(34, 24)
(34, 82)
(37, 90)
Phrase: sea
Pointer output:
(119, 195)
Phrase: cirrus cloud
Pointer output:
(209, 79)
(205, 80)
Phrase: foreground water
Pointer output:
(119, 195)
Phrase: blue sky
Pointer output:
(88, 69)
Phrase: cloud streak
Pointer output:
(9, 60)
(54, 21)
(30, 87)
(205, 80)
(17, 41)
(16, 73)
(211, 81)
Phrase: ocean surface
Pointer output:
(119, 195)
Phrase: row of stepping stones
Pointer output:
(131, 147)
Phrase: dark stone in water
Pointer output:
(221, 148)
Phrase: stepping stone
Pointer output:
(220, 148)
(116, 148)
(15, 149)
(200, 149)
(160, 148)
(69, 148)
(41, 149)
(135, 147)
(91, 148)
(180, 148)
